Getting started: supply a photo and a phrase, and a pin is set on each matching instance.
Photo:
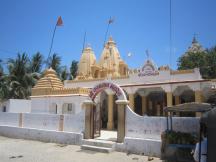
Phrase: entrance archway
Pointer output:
(91, 110)
(104, 85)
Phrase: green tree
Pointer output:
(4, 88)
(211, 58)
(194, 60)
(20, 78)
(73, 69)
(54, 62)
(1, 68)
(64, 74)
(36, 62)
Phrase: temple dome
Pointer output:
(195, 47)
(87, 60)
(110, 58)
(49, 80)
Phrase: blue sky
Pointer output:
(27, 26)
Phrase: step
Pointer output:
(96, 148)
(99, 143)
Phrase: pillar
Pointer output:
(198, 98)
(61, 123)
(121, 119)
(144, 103)
(89, 120)
(177, 100)
(150, 104)
(21, 120)
(131, 101)
(110, 112)
(169, 99)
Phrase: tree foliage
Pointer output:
(64, 73)
(73, 69)
(205, 61)
(55, 63)
(20, 79)
(36, 62)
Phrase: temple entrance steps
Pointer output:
(98, 145)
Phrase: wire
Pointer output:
(170, 33)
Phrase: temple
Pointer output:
(148, 89)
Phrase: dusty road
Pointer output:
(18, 150)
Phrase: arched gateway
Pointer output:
(91, 112)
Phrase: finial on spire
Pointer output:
(194, 38)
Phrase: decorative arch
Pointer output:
(104, 85)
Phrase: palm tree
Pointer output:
(54, 62)
(4, 88)
(36, 62)
(20, 78)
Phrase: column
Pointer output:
(21, 120)
(121, 119)
(110, 112)
(144, 105)
(61, 123)
(131, 101)
(169, 99)
(177, 100)
(89, 120)
(198, 98)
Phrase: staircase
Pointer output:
(98, 145)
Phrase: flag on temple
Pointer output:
(59, 22)
(111, 20)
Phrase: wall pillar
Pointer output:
(21, 120)
(198, 96)
(199, 99)
(131, 101)
(110, 112)
(169, 99)
(121, 119)
(89, 120)
(177, 100)
(144, 105)
(61, 123)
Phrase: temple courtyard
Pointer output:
(19, 150)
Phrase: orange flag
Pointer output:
(59, 22)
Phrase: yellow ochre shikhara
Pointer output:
(109, 65)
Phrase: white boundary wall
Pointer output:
(151, 127)
(42, 135)
(71, 123)
(75, 122)
(11, 119)
(41, 121)
(143, 133)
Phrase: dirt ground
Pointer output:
(19, 150)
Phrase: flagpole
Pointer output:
(84, 40)
(106, 34)
(50, 50)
